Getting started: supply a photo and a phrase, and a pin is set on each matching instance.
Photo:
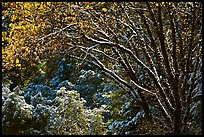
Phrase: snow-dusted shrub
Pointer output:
(58, 70)
(71, 118)
(33, 89)
(195, 124)
(126, 126)
(61, 73)
(68, 85)
(65, 114)
(88, 84)
(16, 113)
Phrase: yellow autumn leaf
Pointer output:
(104, 10)
(87, 7)
(36, 28)
(10, 25)
(23, 27)
(18, 65)
(12, 61)
(17, 61)
(13, 18)
(27, 50)
(48, 3)
(4, 34)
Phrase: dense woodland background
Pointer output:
(126, 68)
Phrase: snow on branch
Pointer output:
(55, 32)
